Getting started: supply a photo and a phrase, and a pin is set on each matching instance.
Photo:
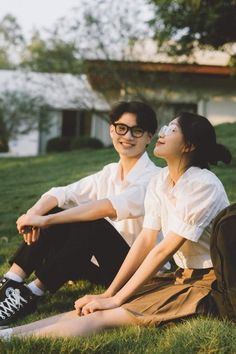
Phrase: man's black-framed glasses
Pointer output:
(122, 129)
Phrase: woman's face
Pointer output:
(170, 143)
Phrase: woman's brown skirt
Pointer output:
(172, 296)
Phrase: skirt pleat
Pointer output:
(172, 296)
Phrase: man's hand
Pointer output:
(29, 225)
(92, 303)
(31, 235)
(33, 220)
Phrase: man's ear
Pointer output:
(150, 136)
(112, 129)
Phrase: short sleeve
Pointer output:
(129, 204)
(196, 208)
(152, 204)
(75, 193)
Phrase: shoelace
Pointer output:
(11, 304)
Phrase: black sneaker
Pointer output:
(18, 302)
(6, 286)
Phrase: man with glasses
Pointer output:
(98, 220)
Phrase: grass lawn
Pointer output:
(23, 180)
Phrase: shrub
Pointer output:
(59, 144)
(4, 147)
(86, 142)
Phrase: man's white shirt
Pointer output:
(126, 196)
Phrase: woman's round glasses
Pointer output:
(122, 129)
(167, 130)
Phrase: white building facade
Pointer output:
(75, 109)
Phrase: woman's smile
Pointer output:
(159, 142)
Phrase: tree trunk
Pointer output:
(4, 147)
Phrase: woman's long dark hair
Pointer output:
(199, 132)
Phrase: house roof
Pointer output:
(147, 50)
(163, 67)
(59, 91)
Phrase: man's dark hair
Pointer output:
(145, 115)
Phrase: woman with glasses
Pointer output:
(181, 201)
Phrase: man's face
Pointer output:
(128, 145)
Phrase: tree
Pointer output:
(104, 29)
(20, 114)
(97, 29)
(107, 31)
(195, 23)
(12, 42)
(51, 55)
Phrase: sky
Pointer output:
(38, 14)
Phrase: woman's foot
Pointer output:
(6, 334)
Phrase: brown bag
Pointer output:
(223, 254)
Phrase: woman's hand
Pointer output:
(81, 302)
(92, 303)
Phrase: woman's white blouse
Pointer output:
(186, 209)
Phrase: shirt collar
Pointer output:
(167, 183)
(135, 172)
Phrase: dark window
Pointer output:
(75, 123)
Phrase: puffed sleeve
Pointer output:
(152, 204)
(196, 207)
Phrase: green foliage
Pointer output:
(59, 144)
(67, 143)
(51, 56)
(4, 60)
(195, 22)
(11, 41)
(86, 142)
(19, 114)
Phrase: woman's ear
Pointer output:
(189, 148)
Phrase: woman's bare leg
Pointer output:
(70, 324)
(43, 323)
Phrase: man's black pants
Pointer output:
(63, 252)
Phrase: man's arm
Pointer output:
(93, 210)
(43, 205)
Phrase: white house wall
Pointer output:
(219, 110)
(25, 145)
(60, 92)
(100, 129)
(33, 143)
(215, 97)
